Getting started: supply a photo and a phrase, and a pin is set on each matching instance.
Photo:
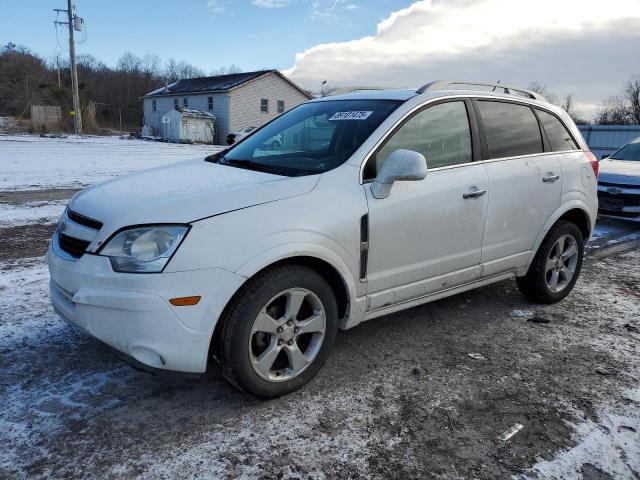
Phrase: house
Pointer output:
(236, 100)
(183, 125)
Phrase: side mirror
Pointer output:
(400, 166)
(605, 155)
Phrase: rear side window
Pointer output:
(511, 129)
(559, 138)
(441, 133)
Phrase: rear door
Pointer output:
(524, 183)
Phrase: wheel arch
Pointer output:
(341, 283)
(576, 212)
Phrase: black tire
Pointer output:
(534, 284)
(234, 331)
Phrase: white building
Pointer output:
(188, 126)
(237, 100)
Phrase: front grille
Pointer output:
(73, 246)
(82, 220)
(618, 213)
(625, 199)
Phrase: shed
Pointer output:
(182, 125)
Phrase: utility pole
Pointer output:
(77, 117)
(58, 68)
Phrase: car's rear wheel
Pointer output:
(278, 331)
(556, 266)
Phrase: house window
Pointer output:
(175, 103)
(210, 102)
(264, 105)
(185, 102)
(154, 106)
(295, 138)
(280, 106)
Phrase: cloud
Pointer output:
(331, 9)
(271, 3)
(215, 6)
(586, 47)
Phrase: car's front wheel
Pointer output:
(556, 266)
(278, 331)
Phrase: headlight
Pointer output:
(144, 249)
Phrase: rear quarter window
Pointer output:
(559, 137)
(511, 129)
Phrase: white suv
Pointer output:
(377, 202)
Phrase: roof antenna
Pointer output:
(494, 88)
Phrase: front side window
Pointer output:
(210, 103)
(559, 138)
(280, 106)
(185, 102)
(312, 138)
(631, 152)
(264, 105)
(441, 133)
(511, 129)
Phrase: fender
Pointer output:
(357, 303)
(564, 208)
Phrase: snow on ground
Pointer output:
(31, 162)
(30, 212)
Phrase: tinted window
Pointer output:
(511, 129)
(441, 133)
(558, 136)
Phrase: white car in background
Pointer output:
(273, 143)
(619, 183)
(386, 200)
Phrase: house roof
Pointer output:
(218, 83)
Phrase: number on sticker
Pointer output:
(350, 116)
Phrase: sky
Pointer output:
(585, 47)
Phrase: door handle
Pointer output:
(474, 194)
(550, 178)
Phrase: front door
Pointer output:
(426, 235)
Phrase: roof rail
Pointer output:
(345, 90)
(443, 84)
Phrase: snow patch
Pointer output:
(30, 162)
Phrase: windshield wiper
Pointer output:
(249, 165)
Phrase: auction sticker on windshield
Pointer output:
(350, 116)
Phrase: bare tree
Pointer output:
(567, 104)
(226, 70)
(622, 109)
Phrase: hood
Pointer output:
(183, 192)
(620, 171)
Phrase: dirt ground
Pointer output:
(425, 393)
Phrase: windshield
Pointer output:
(312, 138)
(631, 151)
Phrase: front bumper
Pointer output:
(131, 312)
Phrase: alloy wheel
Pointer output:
(287, 335)
(561, 263)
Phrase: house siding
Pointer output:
(245, 100)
